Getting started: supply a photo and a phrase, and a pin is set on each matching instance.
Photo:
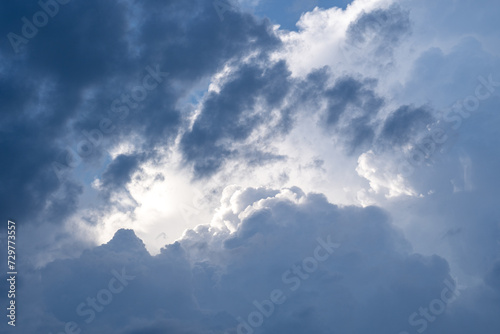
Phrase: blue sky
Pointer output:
(190, 167)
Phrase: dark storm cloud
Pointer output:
(352, 106)
(229, 116)
(306, 97)
(26, 175)
(360, 133)
(351, 93)
(232, 114)
(405, 123)
(384, 28)
(120, 170)
(66, 78)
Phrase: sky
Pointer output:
(252, 166)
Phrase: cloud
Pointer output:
(118, 173)
(231, 115)
(77, 77)
(382, 176)
(208, 279)
(278, 125)
(380, 30)
(405, 123)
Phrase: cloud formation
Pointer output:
(216, 147)
(212, 277)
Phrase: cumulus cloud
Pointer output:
(228, 140)
(214, 276)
